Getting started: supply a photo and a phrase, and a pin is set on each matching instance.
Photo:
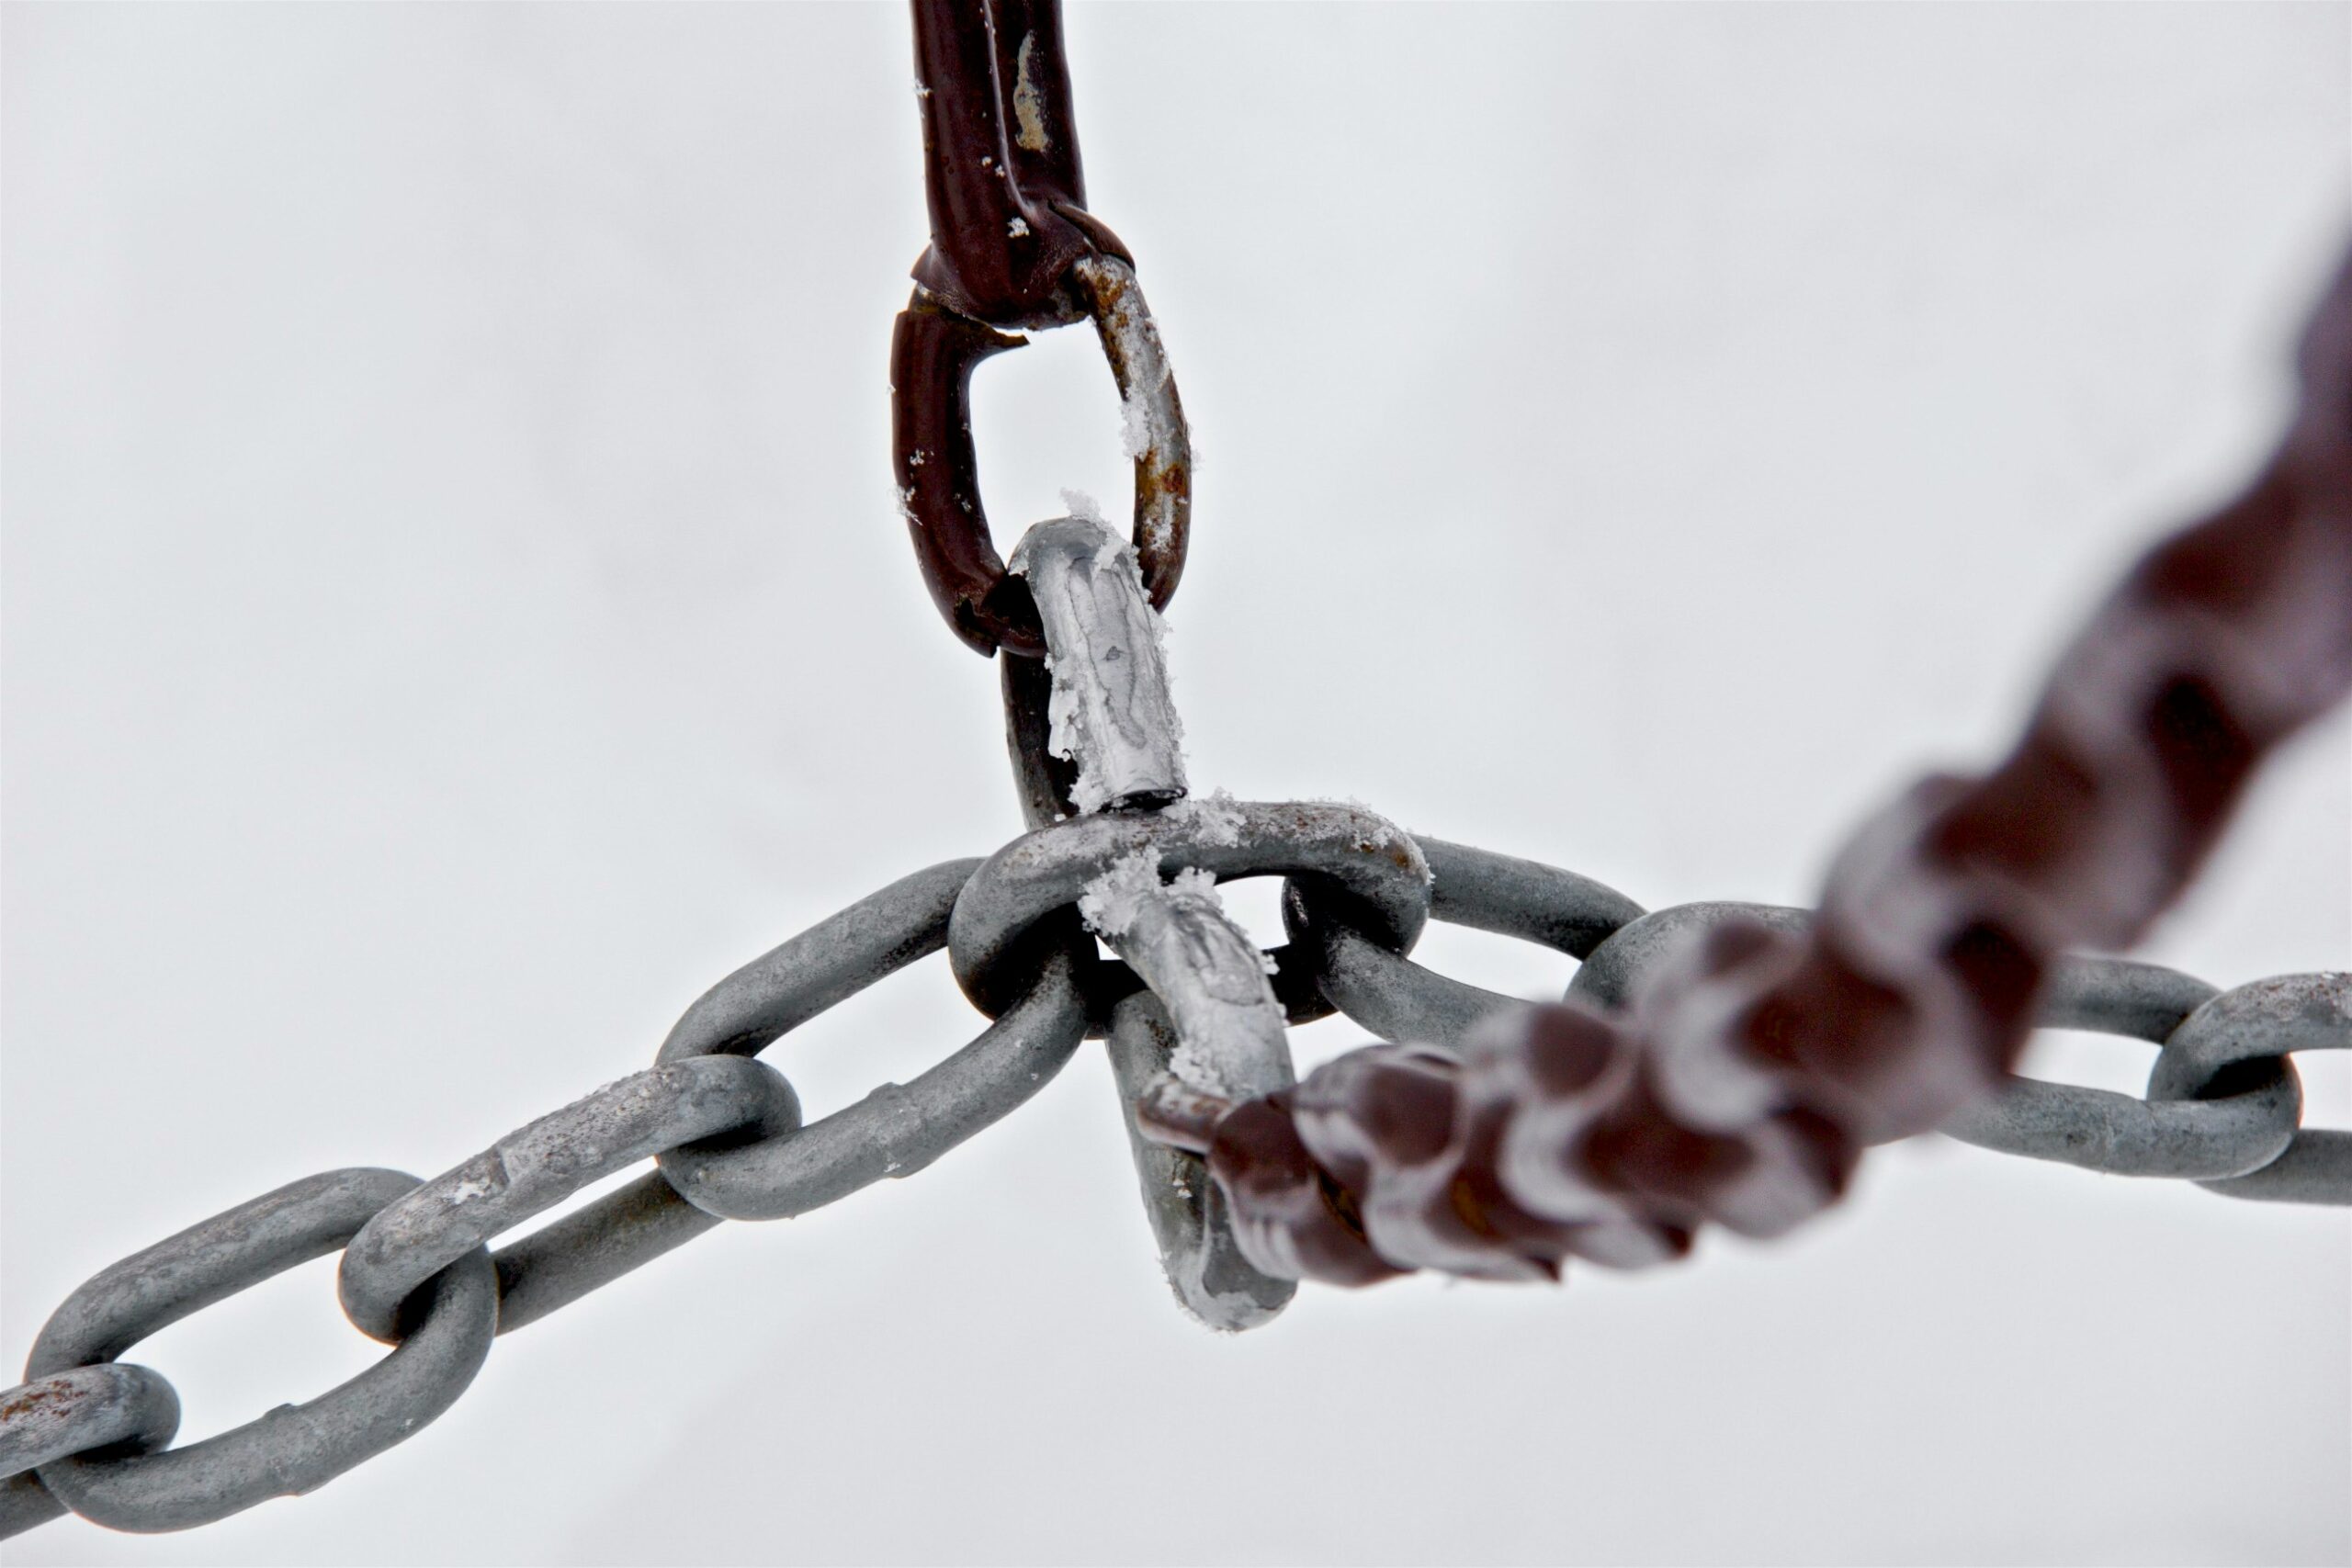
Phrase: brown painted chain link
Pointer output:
(1741, 1081)
(1736, 1083)
(1012, 245)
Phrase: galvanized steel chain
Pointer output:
(1711, 1062)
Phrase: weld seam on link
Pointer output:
(292, 1449)
(741, 1015)
(540, 1165)
(897, 1129)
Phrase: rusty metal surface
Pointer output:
(1711, 1064)
(1738, 1082)
(1012, 246)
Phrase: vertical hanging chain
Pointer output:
(1013, 246)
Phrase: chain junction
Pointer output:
(89, 1432)
(1709, 1062)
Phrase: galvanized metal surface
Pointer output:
(899, 1129)
(445, 1334)
(2250, 1032)
(1208, 1013)
(1491, 1137)
(1368, 865)
(1217, 1257)
(1109, 714)
(1212, 1277)
(531, 1170)
(108, 1406)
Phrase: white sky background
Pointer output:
(454, 613)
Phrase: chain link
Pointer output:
(1712, 1061)
(414, 1270)
(1728, 1064)
(1013, 245)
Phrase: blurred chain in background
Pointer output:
(1710, 1062)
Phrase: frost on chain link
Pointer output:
(1109, 904)
(1203, 968)
(1084, 507)
(1110, 711)
(1215, 819)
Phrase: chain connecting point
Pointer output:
(1207, 1012)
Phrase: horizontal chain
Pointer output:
(87, 1432)
(1716, 1061)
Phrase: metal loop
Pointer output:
(295, 1447)
(1013, 245)
(1401, 1000)
(2069, 1124)
(2120, 1134)
(538, 1167)
(757, 1004)
(1372, 869)
(2243, 1030)
(83, 1408)
(25, 1504)
(934, 351)
(897, 1129)
(110, 1405)
(1153, 427)
(1610, 972)
(1001, 173)
(2116, 996)
(1204, 1264)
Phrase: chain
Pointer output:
(1013, 245)
(722, 1129)
(1717, 1060)
(1739, 1080)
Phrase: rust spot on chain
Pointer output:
(32, 1400)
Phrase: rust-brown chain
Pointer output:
(1013, 245)
(1744, 1076)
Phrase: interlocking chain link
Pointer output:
(1738, 1080)
(83, 1430)
(1714, 1061)
(1013, 245)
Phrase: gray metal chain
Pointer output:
(1191, 997)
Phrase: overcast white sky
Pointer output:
(454, 612)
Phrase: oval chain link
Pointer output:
(2222, 1109)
